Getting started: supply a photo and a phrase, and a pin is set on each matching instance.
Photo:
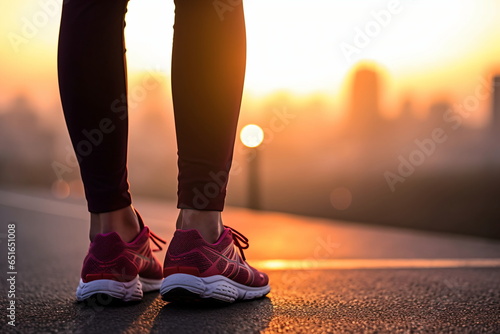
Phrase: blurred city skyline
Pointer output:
(311, 161)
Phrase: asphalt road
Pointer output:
(464, 297)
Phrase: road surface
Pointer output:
(326, 276)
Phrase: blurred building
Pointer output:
(26, 147)
(364, 117)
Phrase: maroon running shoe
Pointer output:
(121, 270)
(197, 270)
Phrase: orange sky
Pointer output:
(424, 48)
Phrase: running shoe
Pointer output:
(121, 270)
(196, 270)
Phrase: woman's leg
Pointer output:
(208, 69)
(92, 81)
(207, 80)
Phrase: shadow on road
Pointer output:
(97, 315)
(249, 317)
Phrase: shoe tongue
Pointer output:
(141, 222)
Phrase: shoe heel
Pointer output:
(124, 291)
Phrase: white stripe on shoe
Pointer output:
(125, 291)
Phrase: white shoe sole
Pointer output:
(125, 291)
(216, 287)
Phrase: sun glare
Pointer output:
(252, 135)
(306, 46)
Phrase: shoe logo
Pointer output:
(140, 260)
(233, 264)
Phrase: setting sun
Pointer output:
(251, 135)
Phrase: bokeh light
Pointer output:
(252, 135)
(341, 198)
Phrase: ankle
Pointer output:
(123, 221)
(207, 223)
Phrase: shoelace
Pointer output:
(238, 239)
(152, 236)
(155, 240)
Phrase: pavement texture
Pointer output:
(316, 266)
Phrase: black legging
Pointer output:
(208, 68)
